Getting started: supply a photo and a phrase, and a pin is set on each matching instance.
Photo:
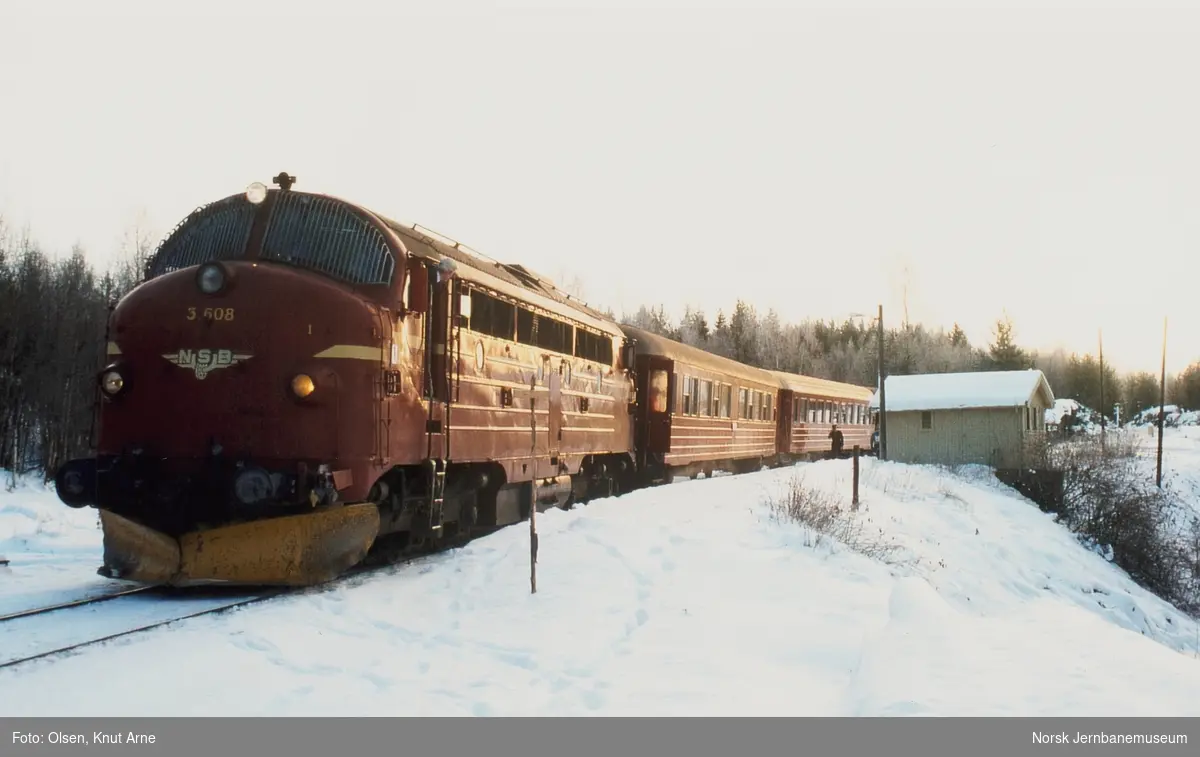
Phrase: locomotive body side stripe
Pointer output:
(352, 352)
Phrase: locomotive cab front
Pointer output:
(240, 424)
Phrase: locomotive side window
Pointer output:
(555, 335)
(595, 347)
(322, 234)
(491, 316)
(543, 331)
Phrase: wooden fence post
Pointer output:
(856, 448)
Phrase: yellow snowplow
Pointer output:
(290, 550)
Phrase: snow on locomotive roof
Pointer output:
(953, 391)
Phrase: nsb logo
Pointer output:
(202, 362)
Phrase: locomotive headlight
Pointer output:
(256, 192)
(211, 278)
(112, 382)
(303, 385)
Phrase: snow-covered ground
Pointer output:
(680, 600)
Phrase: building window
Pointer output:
(927, 420)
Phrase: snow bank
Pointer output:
(53, 551)
(681, 600)
(1173, 417)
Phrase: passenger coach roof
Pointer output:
(649, 343)
(823, 387)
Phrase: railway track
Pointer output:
(69, 627)
(61, 629)
(73, 603)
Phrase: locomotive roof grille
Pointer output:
(322, 234)
(217, 231)
(312, 232)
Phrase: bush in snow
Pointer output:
(825, 516)
(1111, 502)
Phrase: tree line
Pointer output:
(53, 314)
(54, 310)
(848, 351)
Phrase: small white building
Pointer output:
(962, 418)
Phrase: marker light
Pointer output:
(256, 192)
(112, 382)
(211, 278)
(303, 386)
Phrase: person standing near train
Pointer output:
(837, 440)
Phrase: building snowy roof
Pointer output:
(951, 391)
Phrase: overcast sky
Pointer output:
(1040, 163)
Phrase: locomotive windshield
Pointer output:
(218, 231)
(315, 233)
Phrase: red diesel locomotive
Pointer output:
(300, 382)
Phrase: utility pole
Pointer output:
(1162, 404)
(1102, 423)
(533, 537)
(882, 393)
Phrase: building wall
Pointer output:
(989, 436)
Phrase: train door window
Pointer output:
(703, 390)
(926, 420)
(658, 391)
(795, 409)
